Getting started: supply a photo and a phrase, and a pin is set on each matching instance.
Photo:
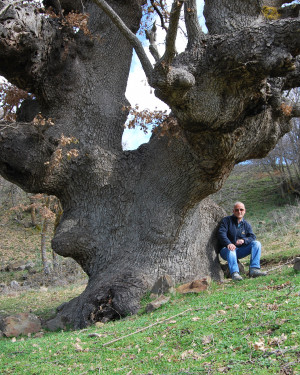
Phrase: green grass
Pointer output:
(221, 333)
(251, 327)
(42, 302)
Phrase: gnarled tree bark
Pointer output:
(131, 216)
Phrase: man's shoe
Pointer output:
(256, 272)
(236, 276)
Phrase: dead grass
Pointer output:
(41, 302)
(18, 243)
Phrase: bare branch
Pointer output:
(193, 27)
(143, 329)
(172, 31)
(159, 14)
(129, 35)
(151, 36)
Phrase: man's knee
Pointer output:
(232, 254)
(256, 244)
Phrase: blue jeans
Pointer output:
(253, 248)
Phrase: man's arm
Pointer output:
(223, 234)
(250, 236)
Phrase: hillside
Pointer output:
(244, 328)
(275, 221)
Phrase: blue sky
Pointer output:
(139, 92)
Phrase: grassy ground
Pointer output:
(244, 328)
(18, 241)
(247, 328)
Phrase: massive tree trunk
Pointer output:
(131, 216)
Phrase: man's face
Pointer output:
(239, 211)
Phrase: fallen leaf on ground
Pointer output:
(207, 339)
(260, 345)
(77, 347)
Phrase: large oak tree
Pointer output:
(131, 216)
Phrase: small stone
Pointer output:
(154, 305)
(99, 324)
(55, 324)
(297, 264)
(29, 266)
(14, 284)
(163, 285)
(153, 296)
(17, 266)
(195, 286)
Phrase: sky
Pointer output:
(138, 90)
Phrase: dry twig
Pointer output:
(143, 329)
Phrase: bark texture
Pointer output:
(130, 217)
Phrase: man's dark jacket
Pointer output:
(229, 232)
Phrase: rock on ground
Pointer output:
(20, 324)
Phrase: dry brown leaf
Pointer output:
(260, 345)
(222, 369)
(207, 339)
(277, 340)
(189, 354)
(77, 347)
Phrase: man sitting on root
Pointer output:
(237, 241)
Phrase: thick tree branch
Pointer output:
(268, 49)
(130, 36)
(172, 31)
(23, 153)
(194, 31)
(223, 17)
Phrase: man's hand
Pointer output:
(231, 247)
(239, 242)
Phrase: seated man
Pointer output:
(237, 240)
